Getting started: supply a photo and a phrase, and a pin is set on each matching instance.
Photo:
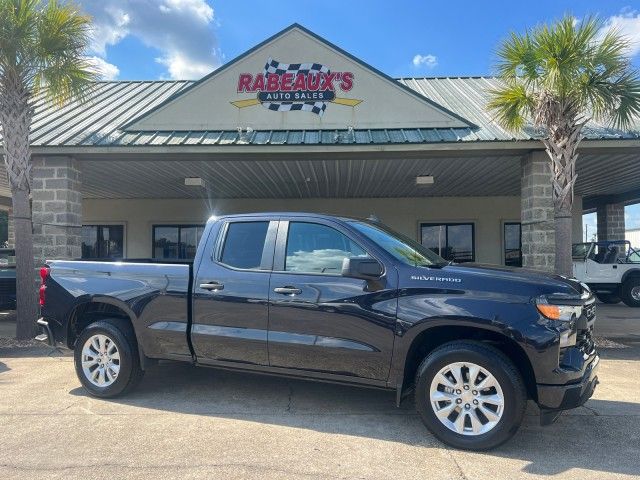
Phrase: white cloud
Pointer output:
(106, 70)
(182, 30)
(628, 24)
(428, 61)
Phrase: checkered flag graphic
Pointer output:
(273, 66)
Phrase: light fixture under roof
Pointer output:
(424, 180)
(194, 182)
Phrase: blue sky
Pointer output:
(152, 39)
(146, 39)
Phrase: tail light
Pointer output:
(44, 275)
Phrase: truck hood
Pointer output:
(497, 277)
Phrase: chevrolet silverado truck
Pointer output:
(342, 300)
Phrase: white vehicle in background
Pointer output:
(611, 269)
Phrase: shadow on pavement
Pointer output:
(585, 439)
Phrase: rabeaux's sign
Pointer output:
(307, 87)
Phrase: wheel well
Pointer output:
(631, 274)
(432, 338)
(91, 312)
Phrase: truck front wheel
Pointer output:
(631, 292)
(470, 395)
(106, 358)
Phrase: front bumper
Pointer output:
(564, 397)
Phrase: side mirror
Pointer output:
(364, 268)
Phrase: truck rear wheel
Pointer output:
(106, 358)
(609, 298)
(470, 395)
(631, 292)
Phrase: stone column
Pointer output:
(611, 221)
(57, 208)
(536, 213)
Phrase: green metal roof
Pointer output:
(99, 120)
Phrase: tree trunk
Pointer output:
(562, 148)
(15, 118)
(26, 276)
(563, 229)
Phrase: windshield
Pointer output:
(580, 250)
(400, 247)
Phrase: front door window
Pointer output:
(315, 248)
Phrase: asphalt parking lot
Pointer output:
(187, 422)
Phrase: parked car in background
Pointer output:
(7, 279)
(611, 269)
(342, 300)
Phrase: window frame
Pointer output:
(504, 240)
(279, 259)
(266, 261)
(174, 225)
(107, 224)
(437, 223)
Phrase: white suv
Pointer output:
(611, 269)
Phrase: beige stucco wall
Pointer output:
(402, 214)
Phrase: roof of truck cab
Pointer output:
(283, 214)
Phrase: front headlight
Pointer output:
(567, 314)
(563, 313)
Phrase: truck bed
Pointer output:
(156, 293)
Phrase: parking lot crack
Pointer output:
(591, 410)
(290, 399)
(461, 473)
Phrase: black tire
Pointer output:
(609, 298)
(496, 363)
(630, 288)
(123, 336)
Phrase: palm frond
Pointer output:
(63, 34)
(512, 105)
(573, 66)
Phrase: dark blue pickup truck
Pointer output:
(341, 300)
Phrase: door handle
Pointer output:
(212, 286)
(287, 290)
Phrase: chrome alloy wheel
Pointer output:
(100, 360)
(635, 293)
(467, 398)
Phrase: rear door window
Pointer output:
(244, 244)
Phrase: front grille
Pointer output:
(590, 312)
(584, 341)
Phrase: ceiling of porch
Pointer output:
(300, 178)
(308, 176)
(277, 177)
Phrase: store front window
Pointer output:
(178, 242)
(452, 241)
(102, 241)
(512, 244)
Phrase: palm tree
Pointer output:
(558, 77)
(42, 49)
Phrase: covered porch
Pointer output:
(486, 204)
